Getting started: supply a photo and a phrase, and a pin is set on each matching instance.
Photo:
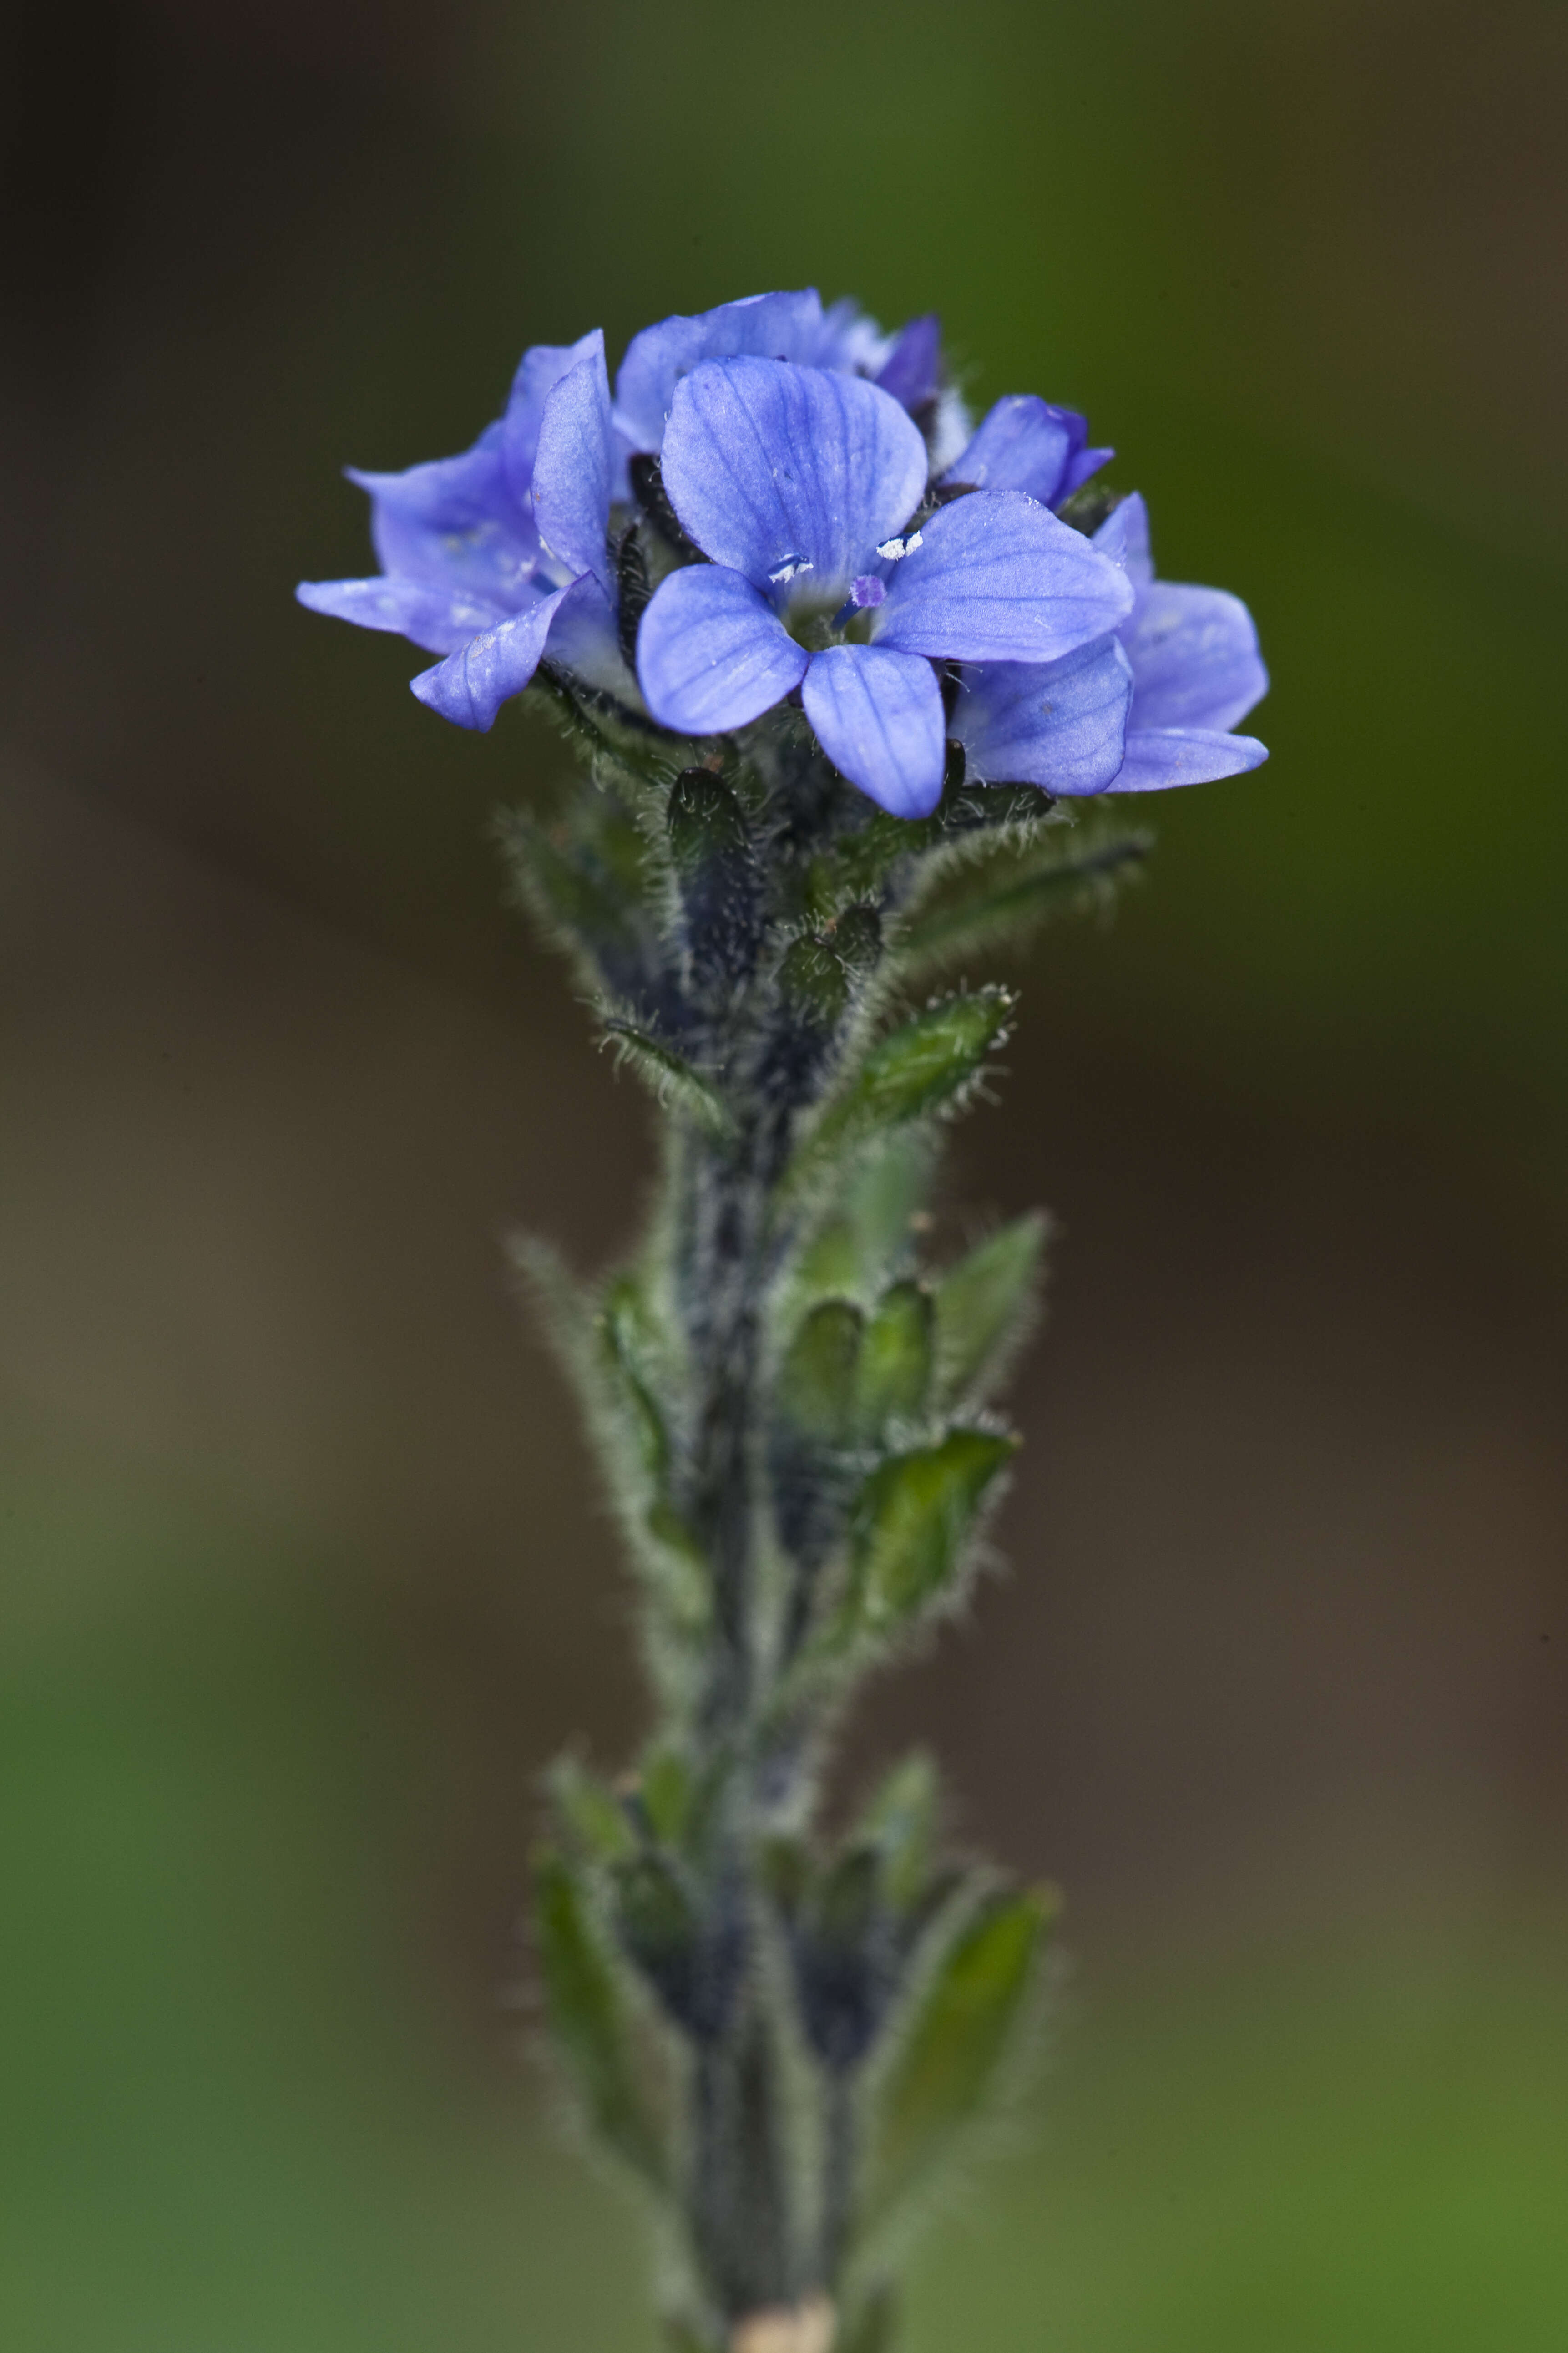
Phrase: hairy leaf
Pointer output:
(983, 1307)
(894, 1372)
(670, 1079)
(949, 2058)
(588, 2018)
(816, 1385)
(900, 1822)
(1004, 895)
(591, 1814)
(921, 1067)
(911, 1523)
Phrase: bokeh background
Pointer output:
(303, 1577)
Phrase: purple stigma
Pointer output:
(869, 590)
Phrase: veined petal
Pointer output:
(1194, 659)
(1055, 724)
(584, 637)
(573, 470)
(439, 619)
(773, 468)
(1158, 758)
(997, 578)
(1023, 443)
(539, 372)
(1082, 465)
(769, 326)
(878, 716)
(1123, 536)
(455, 525)
(912, 369)
(469, 686)
(712, 653)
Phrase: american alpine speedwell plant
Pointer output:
(858, 689)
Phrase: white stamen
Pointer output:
(891, 549)
(789, 568)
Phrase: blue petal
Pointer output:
(912, 371)
(997, 578)
(769, 326)
(1024, 443)
(772, 469)
(573, 469)
(439, 619)
(878, 716)
(584, 637)
(469, 686)
(845, 339)
(539, 372)
(712, 653)
(1080, 466)
(1194, 659)
(1055, 724)
(1160, 757)
(1123, 536)
(455, 525)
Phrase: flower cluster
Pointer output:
(780, 504)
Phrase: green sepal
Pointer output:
(910, 1527)
(956, 2036)
(985, 1306)
(591, 1813)
(818, 1379)
(927, 1065)
(894, 1372)
(588, 2018)
(669, 1078)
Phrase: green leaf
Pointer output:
(928, 1064)
(1008, 888)
(948, 2061)
(985, 1306)
(588, 2018)
(910, 1527)
(817, 1378)
(670, 1079)
(894, 1366)
(591, 1813)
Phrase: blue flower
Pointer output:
(792, 327)
(799, 485)
(1026, 444)
(1143, 711)
(489, 556)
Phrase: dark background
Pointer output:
(303, 1576)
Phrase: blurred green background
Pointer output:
(303, 1576)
